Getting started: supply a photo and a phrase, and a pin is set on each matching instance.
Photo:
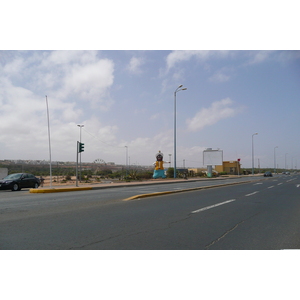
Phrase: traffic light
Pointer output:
(81, 147)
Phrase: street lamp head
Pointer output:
(180, 86)
(184, 89)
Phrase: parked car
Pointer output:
(17, 181)
(268, 174)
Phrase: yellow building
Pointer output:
(230, 167)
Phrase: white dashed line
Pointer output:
(270, 187)
(279, 183)
(251, 194)
(212, 206)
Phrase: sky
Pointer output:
(242, 77)
(126, 98)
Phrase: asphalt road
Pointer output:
(257, 215)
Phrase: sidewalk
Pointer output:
(56, 188)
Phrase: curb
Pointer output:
(180, 191)
(59, 190)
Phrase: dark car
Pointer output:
(17, 181)
(268, 174)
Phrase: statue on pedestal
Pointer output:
(159, 171)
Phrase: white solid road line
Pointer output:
(252, 194)
(212, 206)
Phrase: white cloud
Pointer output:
(14, 67)
(258, 57)
(135, 65)
(219, 76)
(23, 126)
(89, 81)
(184, 55)
(68, 78)
(65, 75)
(69, 57)
(208, 116)
(155, 116)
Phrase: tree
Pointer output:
(170, 173)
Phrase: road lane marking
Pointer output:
(270, 187)
(298, 185)
(279, 183)
(257, 183)
(212, 206)
(252, 194)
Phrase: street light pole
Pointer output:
(126, 159)
(80, 126)
(275, 160)
(49, 143)
(253, 153)
(177, 90)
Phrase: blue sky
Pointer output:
(126, 98)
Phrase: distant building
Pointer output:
(230, 167)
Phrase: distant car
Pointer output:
(268, 174)
(17, 181)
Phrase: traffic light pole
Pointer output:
(77, 151)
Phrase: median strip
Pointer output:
(71, 189)
(59, 190)
(180, 191)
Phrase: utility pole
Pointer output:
(49, 143)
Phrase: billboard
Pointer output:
(212, 157)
